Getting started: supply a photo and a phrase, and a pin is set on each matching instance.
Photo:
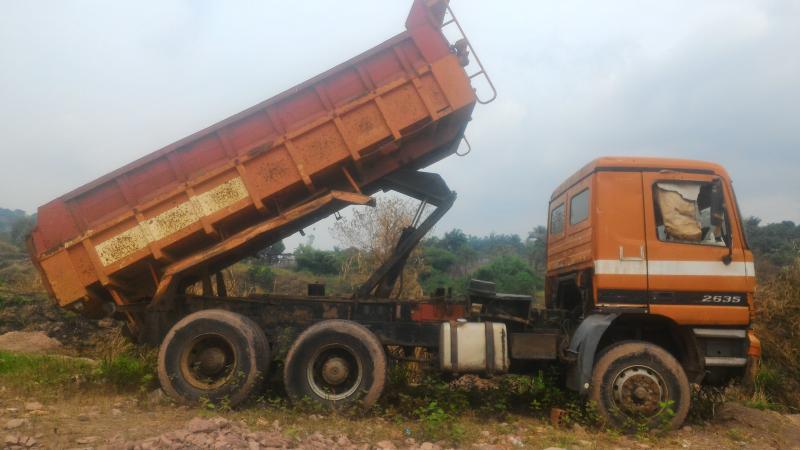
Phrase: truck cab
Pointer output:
(650, 251)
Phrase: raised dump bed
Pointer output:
(193, 207)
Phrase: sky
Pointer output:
(87, 86)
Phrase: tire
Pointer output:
(632, 382)
(213, 355)
(336, 363)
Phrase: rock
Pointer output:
(28, 342)
(116, 412)
(578, 429)
(585, 443)
(687, 428)
(485, 433)
(28, 441)
(385, 445)
(108, 322)
(486, 447)
(515, 441)
(33, 406)
(555, 448)
(15, 423)
(11, 440)
(87, 440)
(156, 396)
(199, 425)
(12, 410)
(83, 417)
(428, 446)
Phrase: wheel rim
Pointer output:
(208, 362)
(639, 391)
(335, 372)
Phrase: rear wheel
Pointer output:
(215, 355)
(638, 383)
(336, 363)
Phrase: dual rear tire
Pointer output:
(213, 355)
(223, 357)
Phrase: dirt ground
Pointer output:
(150, 421)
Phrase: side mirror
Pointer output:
(717, 204)
(718, 216)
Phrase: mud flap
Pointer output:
(583, 347)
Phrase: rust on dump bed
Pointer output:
(208, 200)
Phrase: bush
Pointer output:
(511, 275)
(777, 324)
(127, 371)
(318, 262)
(261, 276)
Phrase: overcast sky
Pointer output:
(86, 86)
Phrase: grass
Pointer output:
(56, 376)
(51, 374)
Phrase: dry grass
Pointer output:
(777, 324)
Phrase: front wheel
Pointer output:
(639, 383)
(336, 363)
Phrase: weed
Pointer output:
(736, 435)
(438, 424)
(126, 371)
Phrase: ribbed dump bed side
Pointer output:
(209, 199)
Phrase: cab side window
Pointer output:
(690, 212)
(579, 207)
(557, 219)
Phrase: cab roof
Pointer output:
(640, 164)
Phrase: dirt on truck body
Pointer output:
(649, 283)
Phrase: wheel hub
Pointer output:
(208, 361)
(639, 390)
(335, 371)
(211, 361)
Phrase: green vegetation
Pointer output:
(58, 375)
(53, 373)
(318, 262)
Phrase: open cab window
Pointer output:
(691, 212)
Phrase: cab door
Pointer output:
(620, 267)
(697, 272)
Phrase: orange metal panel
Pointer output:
(703, 315)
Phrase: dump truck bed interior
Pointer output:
(221, 194)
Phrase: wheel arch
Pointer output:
(598, 332)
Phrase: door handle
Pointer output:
(622, 256)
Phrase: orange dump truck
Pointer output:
(649, 282)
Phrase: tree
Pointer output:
(511, 275)
(373, 234)
(318, 262)
(536, 249)
(776, 245)
(21, 227)
(269, 254)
